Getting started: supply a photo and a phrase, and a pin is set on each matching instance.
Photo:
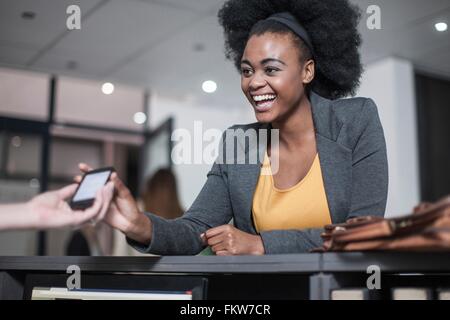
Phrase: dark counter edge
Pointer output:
(393, 262)
(301, 263)
(286, 263)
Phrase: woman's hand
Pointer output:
(227, 240)
(50, 210)
(123, 213)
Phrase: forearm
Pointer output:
(140, 230)
(172, 237)
(181, 236)
(16, 216)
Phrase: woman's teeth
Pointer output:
(264, 97)
(264, 102)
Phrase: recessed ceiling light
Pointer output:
(34, 183)
(29, 15)
(71, 65)
(16, 141)
(209, 86)
(441, 26)
(140, 117)
(199, 47)
(107, 88)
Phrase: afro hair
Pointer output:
(331, 25)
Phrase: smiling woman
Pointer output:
(325, 31)
(296, 58)
(273, 75)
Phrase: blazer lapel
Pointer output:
(335, 159)
(245, 178)
(243, 196)
(335, 163)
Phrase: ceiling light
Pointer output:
(71, 65)
(16, 141)
(199, 47)
(28, 15)
(441, 26)
(209, 86)
(140, 117)
(34, 183)
(107, 88)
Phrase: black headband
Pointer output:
(292, 23)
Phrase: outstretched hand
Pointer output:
(50, 210)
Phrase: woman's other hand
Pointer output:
(228, 240)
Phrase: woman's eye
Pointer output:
(246, 72)
(271, 70)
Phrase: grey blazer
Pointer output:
(352, 151)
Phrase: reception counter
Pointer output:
(295, 276)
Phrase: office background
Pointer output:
(157, 53)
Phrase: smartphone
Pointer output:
(87, 189)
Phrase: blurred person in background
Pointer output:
(91, 240)
(160, 195)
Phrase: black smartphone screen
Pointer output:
(91, 183)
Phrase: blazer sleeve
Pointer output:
(181, 236)
(369, 185)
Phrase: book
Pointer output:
(443, 293)
(411, 294)
(354, 294)
(99, 294)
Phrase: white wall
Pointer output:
(24, 94)
(191, 177)
(390, 83)
(82, 101)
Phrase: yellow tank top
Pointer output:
(302, 206)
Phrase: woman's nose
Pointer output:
(257, 82)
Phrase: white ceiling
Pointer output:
(150, 43)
